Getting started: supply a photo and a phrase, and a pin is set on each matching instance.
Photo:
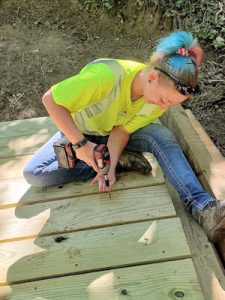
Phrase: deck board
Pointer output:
(11, 129)
(92, 250)
(16, 191)
(23, 144)
(80, 213)
(156, 281)
(26, 194)
(133, 237)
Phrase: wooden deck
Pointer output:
(72, 242)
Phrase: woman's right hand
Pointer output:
(86, 153)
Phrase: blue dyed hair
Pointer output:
(183, 67)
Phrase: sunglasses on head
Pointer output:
(182, 88)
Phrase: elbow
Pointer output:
(47, 99)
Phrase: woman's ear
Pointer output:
(153, 75)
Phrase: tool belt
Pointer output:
(65, 154)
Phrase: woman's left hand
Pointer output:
(111, 176)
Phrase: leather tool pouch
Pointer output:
(65, 154)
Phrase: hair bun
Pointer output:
(196, 53)
(183, 52)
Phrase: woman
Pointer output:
(115, 102)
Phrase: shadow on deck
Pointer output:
(72, 242)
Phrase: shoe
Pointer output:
(133, 161)
(212, 219)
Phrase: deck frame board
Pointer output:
(201, 153)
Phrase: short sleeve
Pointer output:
(93, 83)
(139, 121)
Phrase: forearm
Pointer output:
(117, 141)
(62, 118)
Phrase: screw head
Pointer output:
(124, 292)
(179, 294)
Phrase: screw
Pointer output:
(124, 292)
(179, 294)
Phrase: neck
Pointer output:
(137, 86)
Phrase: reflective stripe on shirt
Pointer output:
(102, 105)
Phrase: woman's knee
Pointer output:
(32, 177)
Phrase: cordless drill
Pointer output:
(66, 156)
(102, 158)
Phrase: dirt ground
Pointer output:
(43, 42)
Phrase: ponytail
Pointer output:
(180, 55)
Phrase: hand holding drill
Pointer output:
(96, 156)
(102, 158)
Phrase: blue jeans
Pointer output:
(42, 169)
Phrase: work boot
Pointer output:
(133, 161)
(212, 219)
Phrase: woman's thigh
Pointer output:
(145, 139)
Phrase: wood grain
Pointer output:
(156, 282)
(92, 250)
(86, 212)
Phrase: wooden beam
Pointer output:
(205, 158)
(208, 164)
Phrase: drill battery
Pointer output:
(65, 153)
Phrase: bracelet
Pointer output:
(80, 144)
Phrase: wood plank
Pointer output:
(13, 167)
(205, 260)
(25, 136)
(202, 155)
(214, 175)
(18, 128)
(210, 167)
(214, 171)
(24, 144)
(15, 191)
(93, 250)
(86, 212)
(156, 281)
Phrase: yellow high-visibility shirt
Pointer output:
(99, 97)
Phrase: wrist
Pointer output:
(80, 143)
(112, 168)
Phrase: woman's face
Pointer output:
(162, 95)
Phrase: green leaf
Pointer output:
(219, 42)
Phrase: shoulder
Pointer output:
(97, 69)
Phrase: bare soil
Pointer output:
(42, 42)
